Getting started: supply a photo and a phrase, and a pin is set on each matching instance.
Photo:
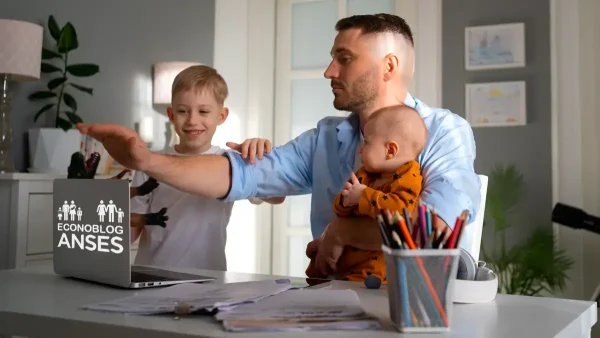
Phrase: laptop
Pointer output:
(92, 236)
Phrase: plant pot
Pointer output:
(50, 149)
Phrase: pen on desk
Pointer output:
(454, 235)
(404, 292)
(406, 234)
(407, 220)
(423, 223)
(383, 230)
(437, 243)
(428, 244)
(397, 240)
(429, 225)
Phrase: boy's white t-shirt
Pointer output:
(196, 232)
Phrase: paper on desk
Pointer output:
(305, 310)
(197, 296)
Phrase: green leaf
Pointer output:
(41, 95)
(53, 28)
(68, 39)
(56, 82)
(70, 101)
(63, 124)
(83, 89)
(74, 118)
(48, 68)
(48, 54)
(41, 111)
(504, 191)
(83, 69)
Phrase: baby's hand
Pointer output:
(252, 147)
(352, 191)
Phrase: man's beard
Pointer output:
(362, 94)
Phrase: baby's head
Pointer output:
(393, 136)
(197, 107)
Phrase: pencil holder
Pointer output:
(420, 288)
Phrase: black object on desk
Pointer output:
(576, 218)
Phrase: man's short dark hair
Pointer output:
(377, 23)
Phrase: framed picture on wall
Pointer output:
(496, 104)
(495, 47)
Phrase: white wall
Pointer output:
(242, 57)
(589, 26)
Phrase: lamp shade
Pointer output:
(164, 74)
(20, 49)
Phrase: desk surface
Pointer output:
(35, 302)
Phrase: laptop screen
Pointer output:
(91, 229)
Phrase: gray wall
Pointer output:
(528, 147)
(125, 38)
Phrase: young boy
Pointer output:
(390, 178)
(195, 234)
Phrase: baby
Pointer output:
(390, 178)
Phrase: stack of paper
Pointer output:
(196, 296)
(301, 310)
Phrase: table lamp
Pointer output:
(164, 74)
(20, 60)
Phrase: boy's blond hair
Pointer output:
(201, 78)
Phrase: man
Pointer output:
(372, 66)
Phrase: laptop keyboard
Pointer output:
(140, 277)
(146, 274)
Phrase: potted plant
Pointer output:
(535, 267)
(51, 148)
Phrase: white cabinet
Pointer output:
(26, 214)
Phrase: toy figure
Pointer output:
(79, 168)
(140, 220)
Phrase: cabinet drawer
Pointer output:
(39, 225)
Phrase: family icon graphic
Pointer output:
(68, 212)
(111, 210)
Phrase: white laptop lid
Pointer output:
(91, 230)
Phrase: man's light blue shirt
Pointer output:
(320, 161)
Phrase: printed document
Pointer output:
(206, 296)
(304, 310)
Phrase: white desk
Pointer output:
(36, 303)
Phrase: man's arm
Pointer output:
(287, 170)
(451, 184)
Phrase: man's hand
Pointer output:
(327, 249)
(352, 191)
(252, 147)
(123, 144)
